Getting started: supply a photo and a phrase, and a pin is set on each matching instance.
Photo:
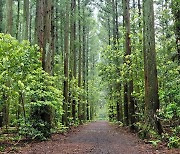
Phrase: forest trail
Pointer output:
(97, 138)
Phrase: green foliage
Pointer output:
(33, 97)
(171, 112)
(2, 148)
(115, 68)
(174, 142)
(43, 95)
(155, 142)
(27, 130)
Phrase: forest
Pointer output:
(66, 63)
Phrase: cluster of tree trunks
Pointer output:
(59, 29)
(128, 107)
(64, 31)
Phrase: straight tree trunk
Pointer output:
(140, 23)
(117, 24)
(26, 19)
(30, 23)
(1, 16)
(39, 24)
(57, 27)
(87, 75)
(17, 21)
(128, 88)
(43, 33)
(66, 66)
(61, 35)
(80, 63)
(118, 85)
(109, 31)
(73, 51)
(53, 36)
(126, 113)
(126, 19)
(47, 61)
(176, 13)
(151, 82)
(114, 23)
(9, 16)
(108, 24)
(84, 62)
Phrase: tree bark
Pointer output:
(9, 16)
(84, 63)
(1, 15)
(17, 20)
(47, 61)
(80, 63)
(87, 75)
(26, 19)
(151, 82)
(176, 12)
(66, 67)
(73, 51)
(39, 24)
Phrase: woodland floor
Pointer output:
(97, 138)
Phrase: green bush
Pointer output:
(32, 98)
(174, 142)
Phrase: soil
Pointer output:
(95, 138)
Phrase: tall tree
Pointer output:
(84, 60)
(80, 61)
(43, 33)
(17, 20)
(66, 66)
(151, 82)
(176, 12)
(39, 24)
(1, 16)
(127, 87)
(26, 19)
(114, 22)
(131, 86)
(87, 75)
(9, 16)
(31, 17)
(73, 51)
(47, 61)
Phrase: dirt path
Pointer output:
(95, 138)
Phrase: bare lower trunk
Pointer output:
(151, 82)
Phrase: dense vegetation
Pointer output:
(63, 63)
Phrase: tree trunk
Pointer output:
(114, 24)
(128, 87)
(126, 113)
(80, 63)
(87, 74)
(39, 24)
(47, 61)
(66, 66)
(26, 19)
(53, 35)
(30, 23)
(73, 65)
(176, 12)
(9, 16)
(1, 15)
(117, 24)
(84, 62)
(151, 82)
